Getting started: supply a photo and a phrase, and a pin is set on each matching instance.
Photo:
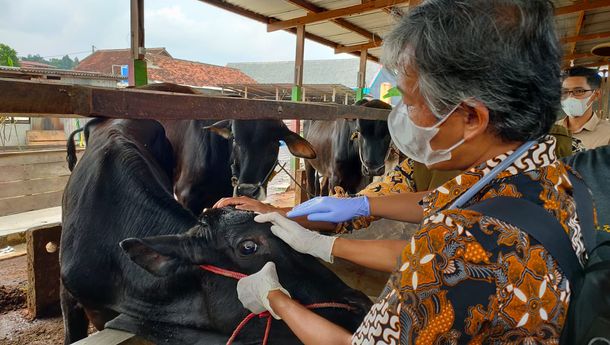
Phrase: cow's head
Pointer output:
(255, 151)
(372, 140)
(231, 240)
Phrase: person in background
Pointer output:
(580, 91)
(481, 89)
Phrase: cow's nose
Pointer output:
(377, 171)
(253, 191)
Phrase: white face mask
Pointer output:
(576, 107)
(413, 140)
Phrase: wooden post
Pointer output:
(361, 91)
(334, 99)
(300, 195)
(138, 73)
(277, 94)
(43, 270)
(297, 90)
(246, 92)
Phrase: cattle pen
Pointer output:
(349, 26)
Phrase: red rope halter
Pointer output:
(244, 322)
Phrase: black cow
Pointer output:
(349, 152)
(226, 158)
(121, 192)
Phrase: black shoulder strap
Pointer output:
(540, 224)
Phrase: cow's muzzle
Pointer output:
(378, 171)
(254, 191)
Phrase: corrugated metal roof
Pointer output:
(381, 21)
(337, 71)
(58, 72)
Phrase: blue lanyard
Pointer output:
(472, 191)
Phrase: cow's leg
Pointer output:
(75, 320)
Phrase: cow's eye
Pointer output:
(248, 247)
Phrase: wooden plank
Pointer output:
(358, 47)
(36, 186)
(43, 270)
(48, 143)
(112, 337)
(583, 6)
(29, 202)
(143, 104)
(45, 135)
(33, 171)
(313, 8)
(35, 156)
(580, 38)
(300, 194)
(332, 14)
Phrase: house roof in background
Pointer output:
(23, 72)
(334, 71)
(162, 67)
(34, 64)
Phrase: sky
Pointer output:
(189, 29)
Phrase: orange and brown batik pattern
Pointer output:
(466, 278)
(399, 180)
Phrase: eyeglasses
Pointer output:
(576, 93)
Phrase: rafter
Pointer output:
(579, 24)
(266, 20)
(584, 6)
(312, 8)
(358, 47)
(579, 38)
(332, 14)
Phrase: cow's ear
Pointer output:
(222, 128)
(158, 255)
(298, 146)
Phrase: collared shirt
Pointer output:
(595, 133)
(466, 278)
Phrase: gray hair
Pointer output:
(503, 53)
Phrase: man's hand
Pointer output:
(253, 290)
(298, 237)
(246, 204)
(331, 209)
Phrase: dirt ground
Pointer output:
(16, 327)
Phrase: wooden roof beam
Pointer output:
(260, 18)
(313, 8)
(579, 38)
(586, 5)
(358, 47)
(332, 14)
(579, 24)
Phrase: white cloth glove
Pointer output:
(253, 290)
(299, 238)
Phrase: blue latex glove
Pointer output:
(331, 209)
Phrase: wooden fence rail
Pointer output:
(38, 98)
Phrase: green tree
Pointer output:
(34, 58)
(8, 56)
(63, 63)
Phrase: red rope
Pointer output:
(244, 322)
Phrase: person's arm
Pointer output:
(376, 254)
(402, 207)
(308, 326)
(381, 255)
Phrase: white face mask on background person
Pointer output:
(413, 140)
(574, 107)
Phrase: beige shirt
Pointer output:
(595, 133)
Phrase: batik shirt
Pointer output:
(399, 180)
(466, 278)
